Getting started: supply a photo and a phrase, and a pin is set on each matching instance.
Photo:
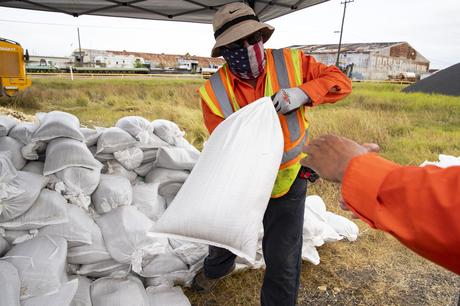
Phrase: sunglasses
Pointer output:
(251, 40)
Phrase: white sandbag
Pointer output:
(115, 168)
(149, 141)
(82, 296)
(216, 208)
(144, 169)
(147, 200)
(129, 158)
(118, 292)
(343, 226)
(41, 265)
(34, 167)
(32, 150)
(92, 253)
(162, 176)
(183, 278)
(162, 264)
(167, 131)
(135, 125)
(4, 246)
(315, 229)
(64, 153)
(7, 169)
(149, 155)
(23, 132)
(113, 191)
(91, 136)
(114, 139)
(76, 231)
(11, 145)
(6, 124)
(176, 158)
(49, 208)
(80, 180)
(445, 161)
(125, 234)
(309, 253)
(19, 194)
(164, 295)
(57, 124)
(103, 268)
(61, 298)
(10, 284)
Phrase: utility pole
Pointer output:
(341, 29)
(80, 57)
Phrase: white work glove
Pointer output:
(289, 99)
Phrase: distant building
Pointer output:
(49, 61)
(373, 61)
(126, 59)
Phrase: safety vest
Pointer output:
(283, 70)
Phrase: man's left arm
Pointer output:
(322, 83)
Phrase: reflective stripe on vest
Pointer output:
(283, 70)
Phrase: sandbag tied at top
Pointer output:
(176, 158)
(23, 133)
(80, 180)
(19, 194)
(6, 124)
(111, 291)
(114, 139)
(164, 295)
(167, 131)
(125, 232)
(113, 191)
(49, 208)
(64, 153)
(41, 265)
(11, 145)
(130, 158)
(223, 200)
(58, 124)
(10, 284)
(115, 168)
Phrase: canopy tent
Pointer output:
(199, 11)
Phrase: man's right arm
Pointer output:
(420, 206)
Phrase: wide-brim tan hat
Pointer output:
(235, 21)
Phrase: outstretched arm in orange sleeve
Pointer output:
(420, 206)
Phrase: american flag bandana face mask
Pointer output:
(247, 62)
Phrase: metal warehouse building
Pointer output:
(373, 61)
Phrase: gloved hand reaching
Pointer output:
(289, 99)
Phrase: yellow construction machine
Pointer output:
(13, 77)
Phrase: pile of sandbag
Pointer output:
(76, 206)
(116, 216)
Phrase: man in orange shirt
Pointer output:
(420, 206)
(296, 82)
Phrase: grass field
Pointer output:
(376, 269)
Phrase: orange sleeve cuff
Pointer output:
(361, 184)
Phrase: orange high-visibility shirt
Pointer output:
(322, 83)
(420, 206)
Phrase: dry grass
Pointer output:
(376, 269)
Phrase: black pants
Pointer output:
(282, 247)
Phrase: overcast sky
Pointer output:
(431, 27)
